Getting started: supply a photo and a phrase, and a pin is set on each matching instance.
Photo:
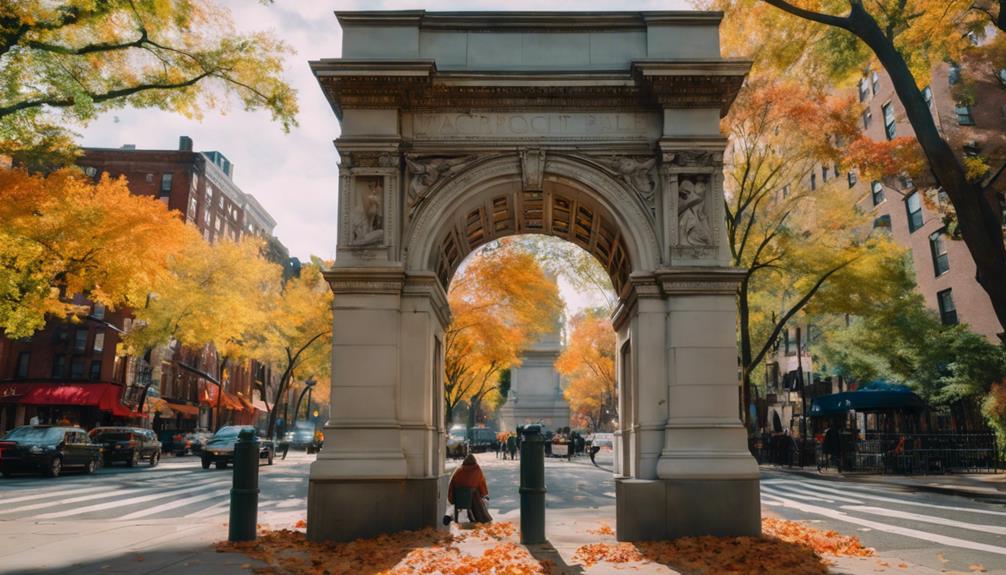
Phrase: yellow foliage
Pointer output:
(64, 236)
(588, 363)
(501, 302)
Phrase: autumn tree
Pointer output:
(564, 259)
(501, 302)
(907, 38)
(588, 364)
(216, 295)
(296, 335)
(799, 244)
(63, 63)
(64, 236)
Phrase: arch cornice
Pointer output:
(634, 222)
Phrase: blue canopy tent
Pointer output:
(874, 396)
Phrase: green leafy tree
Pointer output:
(64, 62)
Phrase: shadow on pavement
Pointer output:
(547, 554)
(195, 559)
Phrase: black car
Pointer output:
(129, 444)
(302, 437)
(47, 449)
(220, 449)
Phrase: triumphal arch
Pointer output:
(598, 128)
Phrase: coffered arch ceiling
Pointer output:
(561, 209)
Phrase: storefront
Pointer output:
(85, 404)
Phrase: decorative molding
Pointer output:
(376, 280)
(532, 166)
(693, 158)
(700, 280)
(370, 160)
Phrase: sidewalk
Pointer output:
(987, 486)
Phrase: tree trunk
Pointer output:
(744, 325)
(979, 225)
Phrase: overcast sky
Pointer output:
(295, 175)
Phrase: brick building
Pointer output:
(913, 212)
(72, 370)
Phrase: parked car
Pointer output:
(481, 439)
(219, 450)
(128, 444)
(191, 442)
(47, 449)
(457, 441)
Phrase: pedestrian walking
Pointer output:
(511, 446)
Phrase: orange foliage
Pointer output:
(879, 159)
(588, 363)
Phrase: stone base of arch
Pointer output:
(655, 510)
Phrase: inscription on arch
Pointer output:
(524, 125)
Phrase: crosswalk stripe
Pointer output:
(926, 519)
(769, 490)
(47, 494)
(131, 501)
(794, 491)
(829, 490)
(174, 504)
(887, 528)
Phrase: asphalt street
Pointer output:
(177, 488)
(942, 532)
(934, 530)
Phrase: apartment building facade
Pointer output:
(77, 371)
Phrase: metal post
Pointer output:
(244, 490)
(532, 485)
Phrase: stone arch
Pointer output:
(578, 202)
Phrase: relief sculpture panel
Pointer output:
(366, 214)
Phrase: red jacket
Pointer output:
(468, 476)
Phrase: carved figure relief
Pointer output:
(637, 174)
(689, 158)
(428, 172)
(366, 219)
(693, 224)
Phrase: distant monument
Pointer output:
(535, 388)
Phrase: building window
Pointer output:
(824, 173)
(948, 311)
(98, 311)
(877, 192)
(166, 184)
(95, 373)
(77, 368)
(813, 181)
(906, 182)
(875, 82)
(927, 95)
(791, 335)
(954, 74)
(150, 178)
(23, 361)
(914, 206)
(883, 223)
(964, 116)
(852, 178)
(80, 340)
(938, 247)
(867, 118)
(99, 341)
(785, 191)
(889, 126)
(59, 366)
(864, 90)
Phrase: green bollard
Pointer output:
(244, 490)
(532, 485)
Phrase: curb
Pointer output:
(943, 490)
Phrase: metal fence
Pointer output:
(911, 454)
(904, 454)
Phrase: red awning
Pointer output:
(104, 396)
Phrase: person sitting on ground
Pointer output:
(470, 475)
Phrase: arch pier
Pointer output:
(598, 128)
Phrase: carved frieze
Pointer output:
(694, 158)
(370, 160)
(636, 173)
(426, 173)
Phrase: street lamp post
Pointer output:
(308, 385)
(211, 379)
